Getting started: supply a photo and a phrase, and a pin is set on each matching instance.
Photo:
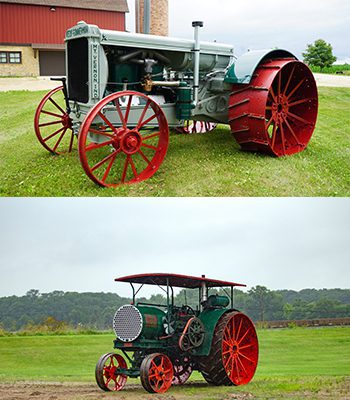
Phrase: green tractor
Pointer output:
(163, 343)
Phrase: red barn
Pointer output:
(32, 31)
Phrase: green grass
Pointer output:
(292, 361)
(196, 165)
(344, 68)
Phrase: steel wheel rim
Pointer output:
(125, 145)
(240, 349)
(53, 126)
(160, 374)
(113, 380)
(291, 109)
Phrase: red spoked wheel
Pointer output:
(52, 124)
(240, 349)
(233, 356)
(107, 373)
(182, 370)
(156, 373)
(276, 113)
(123, 139)
(196, 127)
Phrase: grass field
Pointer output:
(292, 362)
(196, 165)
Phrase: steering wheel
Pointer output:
(188, 310)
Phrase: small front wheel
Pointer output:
(108, 374)
(123, 139)
(157, 373)
(52, 124)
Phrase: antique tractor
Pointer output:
(163, 343)
(123, 92)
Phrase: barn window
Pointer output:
(15, 57)
(3, 57)
(10, 57)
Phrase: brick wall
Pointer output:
(29, 65)
(159, 17)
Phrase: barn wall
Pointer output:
(38, 24)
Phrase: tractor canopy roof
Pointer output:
(175, 280)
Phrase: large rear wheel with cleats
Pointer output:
(108, 372)
(156, 373)
(276, 113)
(233, 356)
(123, 139)
(52, 124)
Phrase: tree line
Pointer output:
(96, 310)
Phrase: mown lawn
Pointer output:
(291, 361)
(196, 165)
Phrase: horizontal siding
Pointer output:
(37, 24)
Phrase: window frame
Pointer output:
(15, 55)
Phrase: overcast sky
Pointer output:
(83, 244)
(261, 24)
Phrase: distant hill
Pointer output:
(96, 310)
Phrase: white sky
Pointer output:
(261, 24)
(83, 244)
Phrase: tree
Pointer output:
(319, 54)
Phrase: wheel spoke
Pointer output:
(245, 334)
(151, 136)
(94, 146)
(242, 365)
(119, 111)
(53, 134)
(292, 131)
(133, 167)
(128, 107)
(271, 91)
(107, 121)
(282, 139)
(147, 121)
(144, 157)
(125, 168)
(239, 329)
(279, 83)
(94, 168)
(149, 146)
(289, 80)
(274, 134)
(108, 169)
(143, 114)
(295, 103)
(98, 132)
(244, 356)
(50, 123)
(269, 122)
(245, 347)
(57, 106)
(59, 139)
(52, 114)
(296, 88)
(298, 118)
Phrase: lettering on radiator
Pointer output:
(94, 71)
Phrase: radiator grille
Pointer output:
(127, 323)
